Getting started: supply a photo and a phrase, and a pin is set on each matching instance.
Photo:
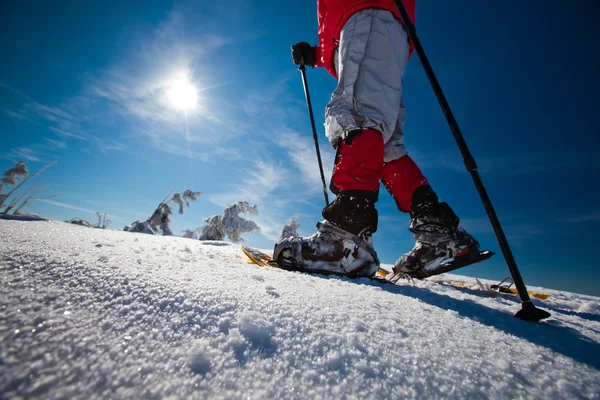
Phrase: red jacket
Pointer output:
(333, 15)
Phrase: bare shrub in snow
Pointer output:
(290, 228)
(230, 224)
(103, 221)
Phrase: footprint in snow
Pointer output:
(272, 291)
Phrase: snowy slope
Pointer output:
(89, 313)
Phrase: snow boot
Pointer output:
(343, 244)
(437, 234)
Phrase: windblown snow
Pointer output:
(91, 313)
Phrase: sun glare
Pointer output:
(182, 94)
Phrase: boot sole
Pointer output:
(472, 257)
(265, 260)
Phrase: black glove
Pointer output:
(304, 53)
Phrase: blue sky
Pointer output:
(84, 83)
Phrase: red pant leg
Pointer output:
(359, 162)
(401, 177)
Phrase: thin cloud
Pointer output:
(76, 208)
(63, 133)
(54, 114)
(512, 165)
(302, 153)
(522, 232)
(135, 88)
(31, 110)
(17, 114)
(477, 226)
(22, 153)
(106, 145)
(515, 232)
(263, 103)
(64, 122)
(14, 90)
(593, 217)
(56, 144)
(64, 205)
(257, 187)
(268, 176)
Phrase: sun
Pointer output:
(182, 94)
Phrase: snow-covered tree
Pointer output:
(184, 198)
(236, 225)
(290, 228)
(190, 234)
(139, 227)
(11, 176)
(214, 229)
(160, 218)
(230, 224)
(79, 221)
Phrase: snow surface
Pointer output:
(92, 313)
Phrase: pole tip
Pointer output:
(531, 313)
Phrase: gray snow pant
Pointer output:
(370, 60)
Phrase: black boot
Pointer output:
(343, 243)
(437, 234)
(353, 211)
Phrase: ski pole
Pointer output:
(302, 69)
(528, 311)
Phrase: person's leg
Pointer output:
(370, 61)
(355, 180)
(360, 118)
(362, 113)
(434, 224)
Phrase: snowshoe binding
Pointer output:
(441, 245)
(331, 250)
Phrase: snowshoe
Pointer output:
(441, 244)
(428, 259)
(330, 250)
